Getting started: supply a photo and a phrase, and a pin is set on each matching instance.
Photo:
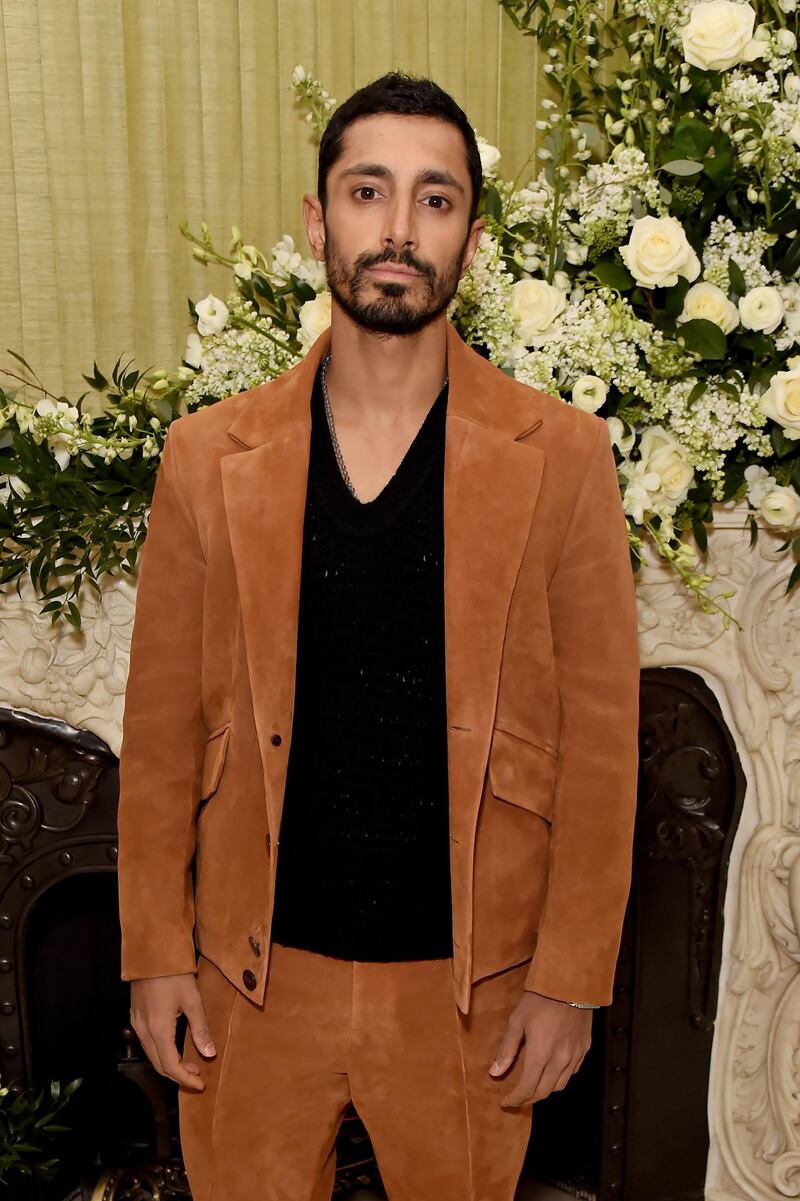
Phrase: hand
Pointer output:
(557, 1037)
(156, 1003)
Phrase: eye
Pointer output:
(366, 187)
(440, 202)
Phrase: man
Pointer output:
(386, 621)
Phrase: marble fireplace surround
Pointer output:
(754, 1087)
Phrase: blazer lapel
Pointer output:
(491, 485)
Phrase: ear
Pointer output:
(476, 229)
(315, 225)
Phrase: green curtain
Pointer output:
(118, 118)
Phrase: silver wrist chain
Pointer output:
(337, 450)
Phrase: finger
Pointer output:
(537, 1082)
(198, 1024)
(547, 1082)
(525, 1087)
(174, 1067)
(149, 1048)
(566, 1075)
(509, 1046)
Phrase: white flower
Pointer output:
(193, 354)
(299, 74)
(315, 317)
(58, 443)
(616, 432)
(717, 34)
(781, 507)
(708, 302)
(794, 132)
(781, 401)
(761, 309)
(663, 454)
(490, 156)
(12, 483)
(535, 305)
(759, 483)
(589, 393)
(641, 489)
(212, 314)
(658, 252)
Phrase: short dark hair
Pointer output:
(409, 95)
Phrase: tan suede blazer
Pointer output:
(542, 674)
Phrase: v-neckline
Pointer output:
(401, 486)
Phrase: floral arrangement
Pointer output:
(650, 273)
(25, 1125)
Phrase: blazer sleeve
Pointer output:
(593, 614)
(163, 737)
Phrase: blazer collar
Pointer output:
(478, 392)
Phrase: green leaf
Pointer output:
(719, 168)
(794, 578)
(753, 531)
(704, 338)
(613, 274)
(791, 260)
(700, 536)
(782, 445)
(492, 203)
(682, 166)
(736, 277)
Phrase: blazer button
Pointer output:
(249, 979)
(276, 740)
(254, 946)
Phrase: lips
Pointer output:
(391, 269)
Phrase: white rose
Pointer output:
(193, 354)
(761, 309)
(707, 302)
(535, 304)
(616, 432)
(781, 401)
(658, 252)
(589, 393)
(490, 156)
(315, 317)
(717, 34)
(212, 314)
(662, 453)
(781, 507)
(759, 483)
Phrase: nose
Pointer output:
(399, 230)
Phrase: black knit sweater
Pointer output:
(363, 864)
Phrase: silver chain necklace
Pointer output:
(337, 450)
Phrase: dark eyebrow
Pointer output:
(429, 175)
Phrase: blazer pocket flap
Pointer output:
(213, 761)
(522, 772)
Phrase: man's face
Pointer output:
(396, 236)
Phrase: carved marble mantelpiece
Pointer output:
(754, 1090)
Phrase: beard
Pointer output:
(391, 313)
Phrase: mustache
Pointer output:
(405, 259)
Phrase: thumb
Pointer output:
(198, 1025)
(507, 1050)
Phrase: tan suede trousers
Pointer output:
(390, 1037)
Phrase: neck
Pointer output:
(383, 377)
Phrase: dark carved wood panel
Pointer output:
(632, 1124)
